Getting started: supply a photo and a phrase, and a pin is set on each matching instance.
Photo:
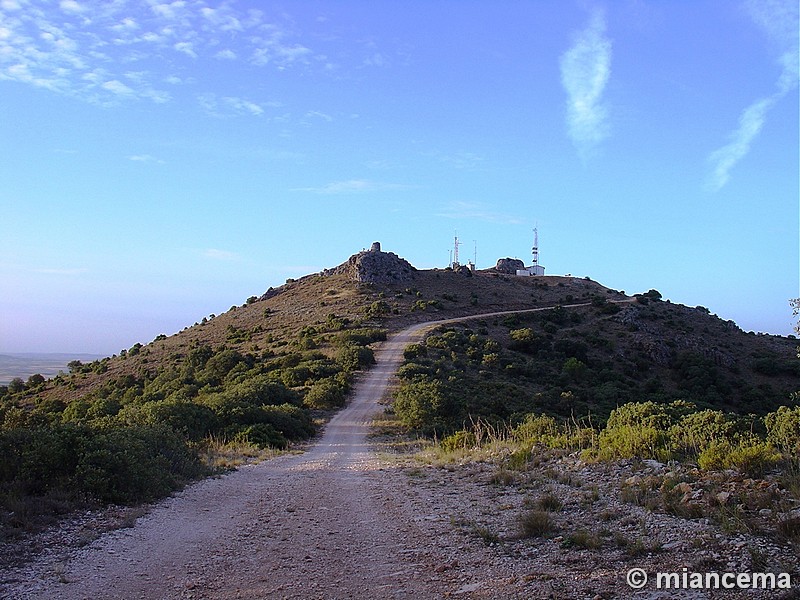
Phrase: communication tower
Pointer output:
(535, 269)
(455, 264)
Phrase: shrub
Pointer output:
(219, 365)
(754, 458)
(378, 309)
(16, 385)
(413, 351)
(630, 441)
(460, 440)
(262, 435)
(536, 523)
(536, 429)
(189, 419)
(574, 369)
(325, 394)
(696, 431)
(35, 381)
(749, 456)
(353, 358)
(291, 421)
(261, 390)
(424, 406)
(360, 337)
(641, 429)
(549, 502)
(783, 430)
(522, 340)
(134, 464)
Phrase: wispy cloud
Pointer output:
(463, 161)
(229, 106)
(66, 272)
(780, 22)
(186, 48)
(226, 54)
(315, 114)
(353, 186)
(750, 125)
(146, 158)
(474, 210)
(80, 49)
(585, 71)
(217, 254)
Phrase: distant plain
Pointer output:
(24, 365)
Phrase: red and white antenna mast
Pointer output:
(456, 244)
(535, 247)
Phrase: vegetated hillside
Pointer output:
(589, 360)
(134, 426)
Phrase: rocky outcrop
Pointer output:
(375, 266)
(509, 265)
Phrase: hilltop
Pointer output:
(645, 340)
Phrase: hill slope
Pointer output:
(129, 428)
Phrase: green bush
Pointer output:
(523, 340)
(783, 430)
(134, 464)
(460, 440)
(641, 429)
(749, 456)
(633, 441)
(262, 435)
(413, 351)
(291, 421)
(262, 390)
(424, 406)
(325, 394)
(360, 337)
(120, 465)
(695, 432)
(354, 358)
(189, 419)
(536, 429)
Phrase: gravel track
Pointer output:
(334, 522)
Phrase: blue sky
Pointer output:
(162, 161)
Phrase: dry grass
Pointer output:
(218, 455)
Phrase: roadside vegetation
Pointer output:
(132, 429)
(713, 436)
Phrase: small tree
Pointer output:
(35, 380)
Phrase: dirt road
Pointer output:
(329, 523)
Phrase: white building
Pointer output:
(535, 270)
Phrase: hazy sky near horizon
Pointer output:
(161, 161)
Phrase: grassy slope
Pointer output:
(640, 341)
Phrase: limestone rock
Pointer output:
(509, 265)
(464, 270)
(375, 266)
